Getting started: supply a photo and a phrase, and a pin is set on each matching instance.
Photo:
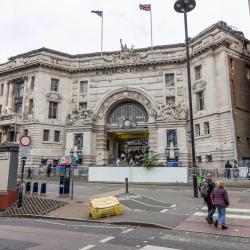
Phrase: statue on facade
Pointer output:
(126, 54)
(78, 118)
(172, 111)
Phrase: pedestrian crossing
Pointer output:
(234, 213)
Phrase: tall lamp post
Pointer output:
(185, 6)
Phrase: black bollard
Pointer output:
(35, 188)
(43, 189)
(195, 186)
(126, 182)
(28, 187)
(20, 198)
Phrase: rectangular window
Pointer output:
(78, 141)
(53, 110)
(197, 71)
(82, 105)
(200, 100)
(19, 89)
(209, 158)
(18, 108)
(45, 135)
(1, 89)
(30, 106)
(169, 80)
(1, 135)
(57, 136)
(197, 130)
(0, 109)
(206, 128)
(32, 84)
(54, 85)
(170, 99)
(171, 137)
(84, 87)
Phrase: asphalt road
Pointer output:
(36, 234)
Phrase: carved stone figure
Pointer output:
(172, 111)
(79, 117)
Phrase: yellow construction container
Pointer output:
(104, 207)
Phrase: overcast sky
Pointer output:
(70, 27)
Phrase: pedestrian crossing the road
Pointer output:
(237, 220)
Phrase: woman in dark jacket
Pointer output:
(220, 200)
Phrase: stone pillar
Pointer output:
(24, 104)
(5, 97)
(10, 97)
(8, 170)
(101, 146)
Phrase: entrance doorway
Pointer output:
(127, 145)
(127, 132)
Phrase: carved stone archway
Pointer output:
(108, 102)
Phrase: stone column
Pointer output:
(10, 97)
(101, 141)
(5, 97)
(24, 104)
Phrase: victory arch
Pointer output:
(123, 120)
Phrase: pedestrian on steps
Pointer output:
(221, 201)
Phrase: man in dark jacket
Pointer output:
(210, 206)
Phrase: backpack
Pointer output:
(204, 189)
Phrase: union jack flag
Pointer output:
(146, 7)
(97, 12)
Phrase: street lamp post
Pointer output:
(185, 6)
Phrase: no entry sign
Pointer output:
(25, 140)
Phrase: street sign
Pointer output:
(24, 152)
(25, 140)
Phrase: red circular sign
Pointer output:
(25, 140)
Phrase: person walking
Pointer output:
(29, 173)
(206, 190)
(220, 199)
(228, 167)
(49, 169)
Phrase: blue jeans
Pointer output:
(221, 216)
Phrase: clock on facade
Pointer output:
(126, 123)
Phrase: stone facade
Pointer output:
(63, 100)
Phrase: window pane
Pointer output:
(45, 135)
(170, 99)
(57, 136)
(53, 110)
(54, 85)
(171, 137)
(197, 72)
(78, 141)
(197, 129)
(200, 100)
(206, 128)
(84, 87)
(83, 105)
(169, 80)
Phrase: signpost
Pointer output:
(24, 154)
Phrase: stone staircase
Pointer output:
(33, 206)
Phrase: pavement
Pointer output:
(171, 207)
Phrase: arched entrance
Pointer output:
(127, 132)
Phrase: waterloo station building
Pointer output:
(133, 99)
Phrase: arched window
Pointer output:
(132, 111)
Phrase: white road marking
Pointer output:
(172, 206)
(107, 239)
(51, 222)
(128, 230)
(147, 204)
(233, 216)
(240, 210)
(163, 210)
(150, 247)
(87, 247)
(94, 226)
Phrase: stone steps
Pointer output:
(34, 206)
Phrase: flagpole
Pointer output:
(151, 28)
(102, 35)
